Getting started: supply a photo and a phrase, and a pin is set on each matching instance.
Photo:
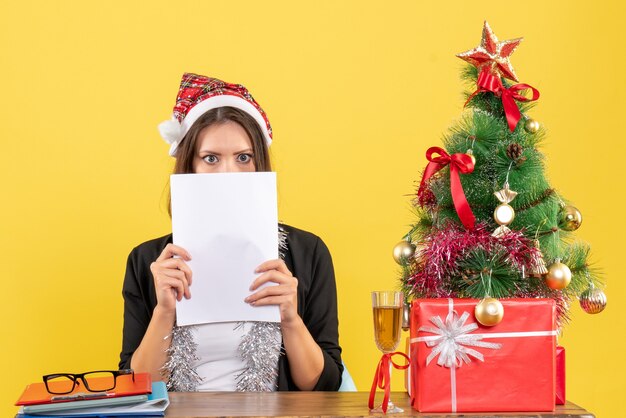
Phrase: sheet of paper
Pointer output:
(228, 223)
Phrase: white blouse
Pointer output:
(219, 361)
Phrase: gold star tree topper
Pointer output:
(493, 54)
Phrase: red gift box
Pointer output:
(506, 367)
(560, 376)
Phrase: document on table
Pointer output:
(228, 222)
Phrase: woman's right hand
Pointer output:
(172, 277)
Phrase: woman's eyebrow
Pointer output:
(217, 153)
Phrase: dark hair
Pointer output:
(186, 150)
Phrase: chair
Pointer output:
(347, 384)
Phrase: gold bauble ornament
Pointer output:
(570, 218)
(403, 251)
(470, 152)
(558, 276)
(592, 300)
(489, 312)
(531, 126)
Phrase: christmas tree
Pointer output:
(489, 225)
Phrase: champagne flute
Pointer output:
(387, 306)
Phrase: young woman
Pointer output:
(219, 127)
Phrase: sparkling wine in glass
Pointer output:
(387, 306)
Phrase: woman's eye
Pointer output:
(211, 159)
(244, 158)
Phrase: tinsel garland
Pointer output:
(445, 247)
(181, 354)
(282, 242)
(260, 349)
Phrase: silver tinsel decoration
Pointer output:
(282, 242)
(260, 349)
(178, 370)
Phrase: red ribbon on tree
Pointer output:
(382, 379)
(487, 81)
(458, 163)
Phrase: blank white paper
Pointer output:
(228, 222)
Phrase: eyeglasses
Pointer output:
(96, 381)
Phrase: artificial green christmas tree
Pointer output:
(489, 225)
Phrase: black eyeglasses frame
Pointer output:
(81, 376)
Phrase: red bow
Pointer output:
(382, 379)
(490, 82)
(458, 162)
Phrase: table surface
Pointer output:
(318, 404)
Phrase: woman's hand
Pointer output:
(172, 277)
(285, 294)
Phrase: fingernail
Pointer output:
(246, 299)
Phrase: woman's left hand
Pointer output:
(284, 294)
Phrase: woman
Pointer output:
(219, 127)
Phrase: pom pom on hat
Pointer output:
(172, 132)
(199, 94)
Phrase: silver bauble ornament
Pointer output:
(489, 312)
(592, 300)
(403, 251)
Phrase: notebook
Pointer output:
(96, 403)
(36, 393)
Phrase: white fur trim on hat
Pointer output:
(173, 132)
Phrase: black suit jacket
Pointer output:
(307, 258)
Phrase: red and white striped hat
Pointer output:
(199, 94)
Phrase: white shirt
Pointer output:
(219, 361)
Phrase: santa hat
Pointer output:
(199, 94)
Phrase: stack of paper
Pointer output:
(228, 223)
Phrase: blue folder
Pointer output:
(155, 406)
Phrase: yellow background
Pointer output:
(356, 91)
